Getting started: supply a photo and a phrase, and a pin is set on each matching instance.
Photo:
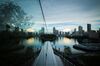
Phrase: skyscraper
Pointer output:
(42, 31)
(80, 29)
(88, 27)
(54, 30)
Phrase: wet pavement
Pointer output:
(47, 57)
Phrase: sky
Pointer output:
(65, 15)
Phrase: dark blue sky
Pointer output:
(63, 14)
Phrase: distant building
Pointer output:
(75, 30)
(67, 33)
(93, 34)
(99, 32)
(88, 27)
(74, 33)
(56, 32)
(80, 30)
(42, 30)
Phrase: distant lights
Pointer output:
(30, 30)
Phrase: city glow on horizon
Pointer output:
(66, 29)
(30, 30)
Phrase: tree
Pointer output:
(11, 13)
(7, 27)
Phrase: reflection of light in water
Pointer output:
(66, 40)
(30, 41)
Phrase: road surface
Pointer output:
(47, 57)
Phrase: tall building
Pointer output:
(80, 28)
(75, 30)
(54, 30)
(88, 27)
(42, 31)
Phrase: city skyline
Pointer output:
(79, 29)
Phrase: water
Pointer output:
(59, 44)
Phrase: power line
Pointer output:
(45, 26)
(43, 15)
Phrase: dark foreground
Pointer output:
(13, 53)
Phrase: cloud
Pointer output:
(62, 13)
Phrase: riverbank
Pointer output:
(80, 59)
(87, 47)
(68, 58)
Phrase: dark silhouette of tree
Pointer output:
(11, 13)
(7, 27)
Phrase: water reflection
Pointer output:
(30, 41)
(66, 40)
(59, 44)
